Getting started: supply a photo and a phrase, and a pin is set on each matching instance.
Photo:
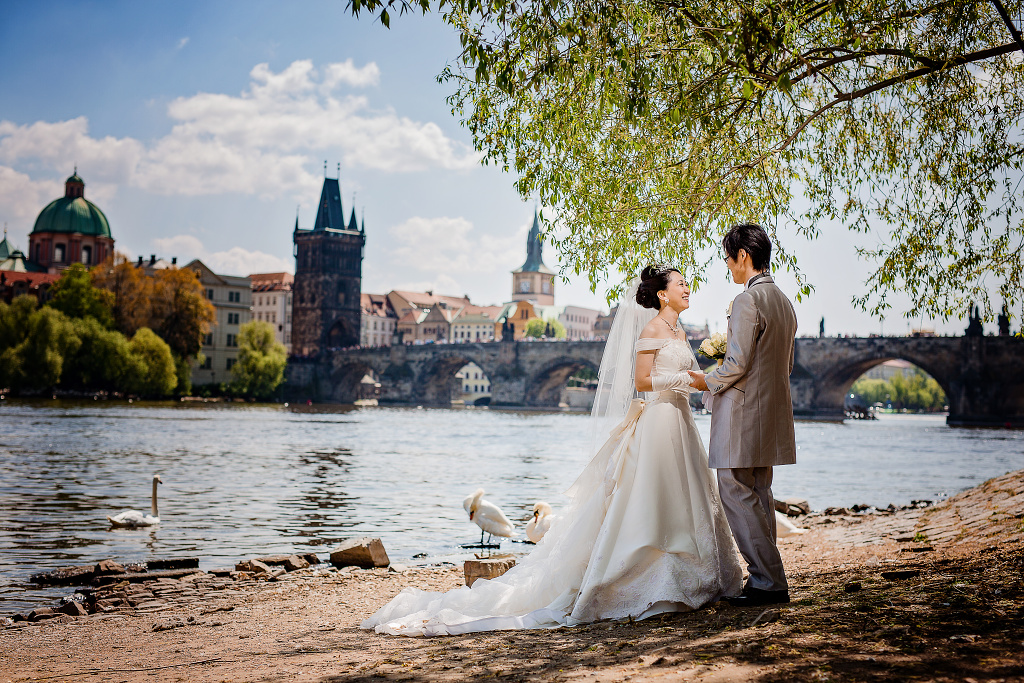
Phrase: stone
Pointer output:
(74, 609)
(221, 572)
(180, 563)
(65, 575)
(489, 568)
(273, 573)
(310, 557)
(360, 552)
(294, 562)
(252, 566)
(836, 511)
(900, 574)
(852, 587)
(168, 624)
(397, 568)
(794, 507)
(109, 567)
(41, 613)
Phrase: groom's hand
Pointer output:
(698, 381)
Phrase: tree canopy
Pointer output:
(651, 126)
(259, 369)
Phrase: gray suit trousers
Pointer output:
(747, 498)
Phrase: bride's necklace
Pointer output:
(675, 329)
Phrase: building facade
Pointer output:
(534, 281)
(231, 297)
(474, 324)
(326, 299)
(578, 322)
(475, 384)
(378, 322)
(272, 303)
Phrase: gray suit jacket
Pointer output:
(752, 419)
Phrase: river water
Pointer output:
(244, 480)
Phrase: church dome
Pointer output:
(72, 213)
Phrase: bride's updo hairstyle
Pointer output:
(653, 279)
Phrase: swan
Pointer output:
(541, 522)
(784, 527)
(487, 516)
(134, 518)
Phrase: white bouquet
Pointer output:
(714, 346)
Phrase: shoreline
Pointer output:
(930, 593)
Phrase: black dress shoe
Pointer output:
(752, 597)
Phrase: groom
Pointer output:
(752, 420)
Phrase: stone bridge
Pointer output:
(983, 377)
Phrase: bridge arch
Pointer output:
(834, 383)
(436, 383)
(544, 389)
(345, 379)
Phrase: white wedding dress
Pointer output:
(644, 533)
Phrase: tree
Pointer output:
(539, 327)
(650, 126)
(33, 345)
(180, 312)
(73, 295)
(151, 366)
(102, 360)
(261, 361)
(130, 290)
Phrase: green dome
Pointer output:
(73, 213)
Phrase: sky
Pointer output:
(201, 130)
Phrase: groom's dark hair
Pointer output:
(752, 238)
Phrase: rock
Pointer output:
(168, 624)
(397, 568)
(135, 577)
(19, 617)
(252, 566)
(310, 557)
(860, 507)
(832, 512)
(489, 568)
(222, 572)
(360, 552)
(181, 563)
(294, 562)
(797, 506)
(109, 567)
(273, 573)
(901, 574)
(65, 575)
(74, 609)
(5, 622)
(419, 556)
(41, 613)
(852, 587)
(905, 538)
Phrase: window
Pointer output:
(233, 318)
(230, 362)
(234, 297)
(87, 255)
(207, 364)
(58, 253)
(209, 294)
(273, 317)
(232, 340)
(208, 339)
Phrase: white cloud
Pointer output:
(234, 261)
(444, 244)
(183, 42)
(261, 142)
(21, 198)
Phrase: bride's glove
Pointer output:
(677, 381)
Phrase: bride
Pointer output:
(644, 532)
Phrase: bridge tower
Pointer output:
(328, 277)
(534, 281)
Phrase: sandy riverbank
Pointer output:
(946, 606)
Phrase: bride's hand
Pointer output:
(697, 381)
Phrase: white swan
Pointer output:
(784, 527)
(541, 522)
(134, 518)
(487, 516)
